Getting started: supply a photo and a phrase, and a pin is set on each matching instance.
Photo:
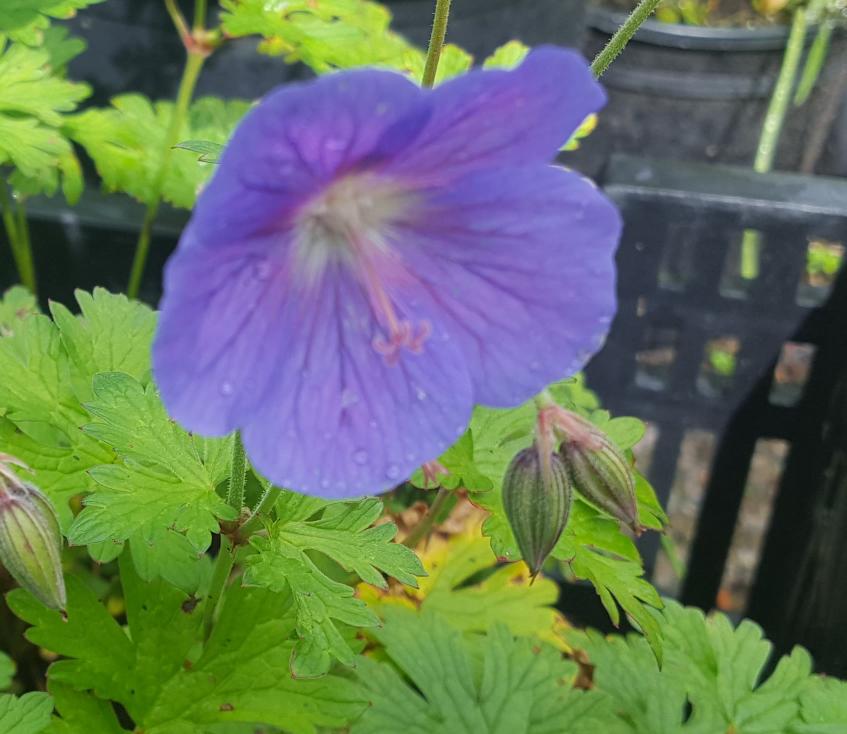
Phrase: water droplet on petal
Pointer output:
(348, 398)
(360, 457)
(325, 483)
(227, 388)
(373, 424)
(410, 456)
(420, 393)
(263, 270)
(535, 366)
(460, 430)
(392, 471)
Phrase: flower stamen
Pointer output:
(400, 333)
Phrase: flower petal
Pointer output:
(494, 117)
(211, 355)
(298, 139)
(337, 420)
(519, 264)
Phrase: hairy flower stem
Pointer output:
(17, 232)
(436, 41)
(423, 528)
(265, 505)
(238, 475)
(771, 131)
(230, 542)
(622, 36)
(195, 56)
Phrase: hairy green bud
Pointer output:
(30, 538)
(537, 499)
(601, 474)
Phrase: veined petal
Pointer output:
(297, 140)
(519, 264)
(217, 339)
(489, 118)
(338, 420)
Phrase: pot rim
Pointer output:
(693, 38)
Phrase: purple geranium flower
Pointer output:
(371, 259)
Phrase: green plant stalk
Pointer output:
(223, 568)
(264, 506)
(238, 475)
(771, 131)
(436, 41)
(229, 544)
(199, 15)
(423, 528)
(816, 12)
(25, 244)
(193, 65)
(814, 63)
(177, 19)
(17, 232)
(622, 36)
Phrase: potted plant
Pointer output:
(697, 81)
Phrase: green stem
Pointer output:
(781, 97)
(814, 63)
(199, 15)
(265, 505)
(27, 263)
(771, 131)
(238, 475)
(178, 20)
(17, 232)
(223, 568)
(436, 41)
(193, 65)
(623, 36)
(10, 225)
(423, 528)
(226, 554)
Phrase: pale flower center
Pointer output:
(350, 223)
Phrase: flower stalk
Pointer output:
(623, 36)
(751, 241)
(424, 527)
(436, 41)
(264, 506)
(17, 232)
(220, 575)
(197, 50)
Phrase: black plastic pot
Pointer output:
(698, 93)
(480, 26)
(133, 47)
(92, 244)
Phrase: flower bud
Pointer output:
(30, 538)
(601, 474)
(537, 500)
